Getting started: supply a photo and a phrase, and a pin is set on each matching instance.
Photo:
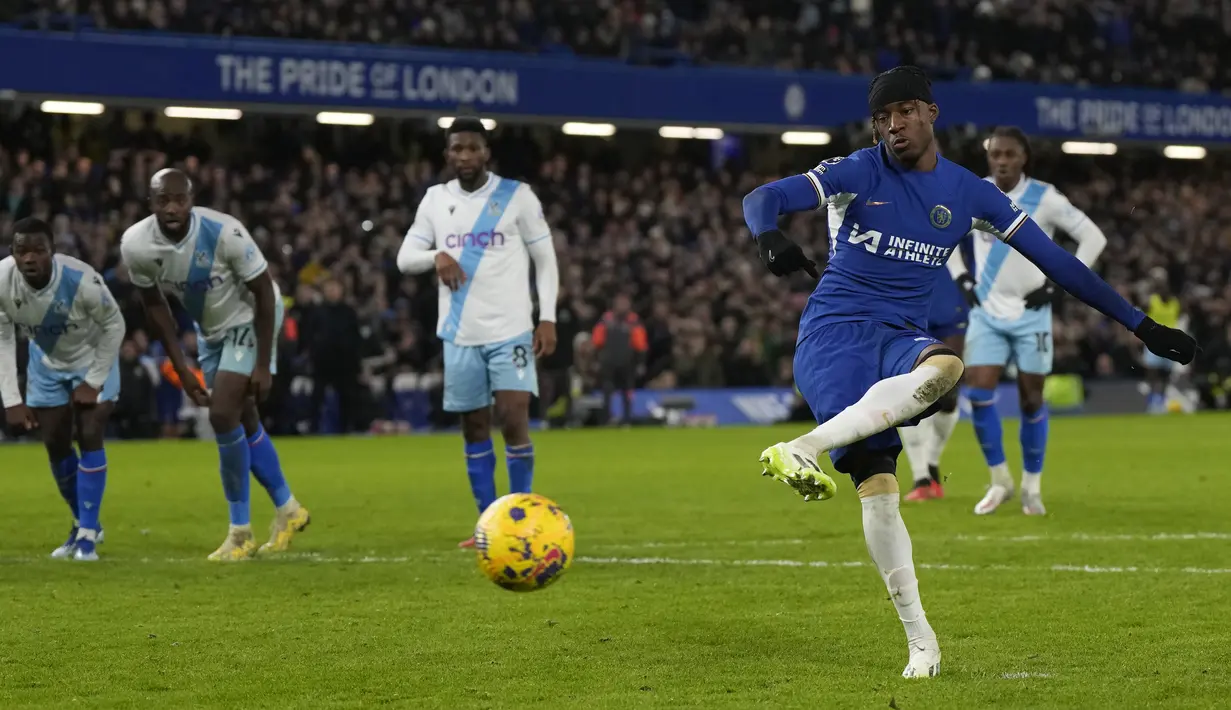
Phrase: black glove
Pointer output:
(1045, 295)
(967, 283)
(1170, 343)
(783, 256)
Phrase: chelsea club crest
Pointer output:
(941, 216)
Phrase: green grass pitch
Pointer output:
(698, 583)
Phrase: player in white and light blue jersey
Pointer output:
(208, 261)
(1012, 321)
(480, 232)
(74, 329)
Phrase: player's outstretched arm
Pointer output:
(764, 205)
(1090, 242)
(1077, 278)
(103, 310)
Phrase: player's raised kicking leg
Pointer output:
(843, 363)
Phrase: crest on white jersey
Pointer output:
(201, 259)
(59, 307)
(494, 207)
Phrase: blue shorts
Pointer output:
(47, 388)
(473, 372)
(236, 351)
(1026, 341)
(836, 365)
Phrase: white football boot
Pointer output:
(1032, 504)
(924, 659)
(997, 493)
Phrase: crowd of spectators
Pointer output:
(1174, 44)
(329, 208)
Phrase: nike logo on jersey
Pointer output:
(451, 208)
(874, 203)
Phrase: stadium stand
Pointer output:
(659, 219)
(661, 223)
(1180, 44)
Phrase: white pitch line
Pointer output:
(1072, 537)
(1088, 569)
(1098, 537)
(436, 556)
(690, 544)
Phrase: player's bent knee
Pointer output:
(878, 485)
(948, 371)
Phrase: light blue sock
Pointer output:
(267, 468)
(65, 472)
(91, 482)
(234, 463)
(520, 460)
(1034, 440)
(987, 424)
(481, 468)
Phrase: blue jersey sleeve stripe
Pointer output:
(816, 184)
(423, 239)
(1017, 223)
(536, 240)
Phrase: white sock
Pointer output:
(890, 548)
(1001, 476)
(290, 506)
(242, 528)
(914, 443)
(884, 405)
(942, 425)
(1032, 483)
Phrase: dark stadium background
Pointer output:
(657, 218)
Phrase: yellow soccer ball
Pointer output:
(524, 542)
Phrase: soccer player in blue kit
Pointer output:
(864, 361)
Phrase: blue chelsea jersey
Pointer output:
(891, 230)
